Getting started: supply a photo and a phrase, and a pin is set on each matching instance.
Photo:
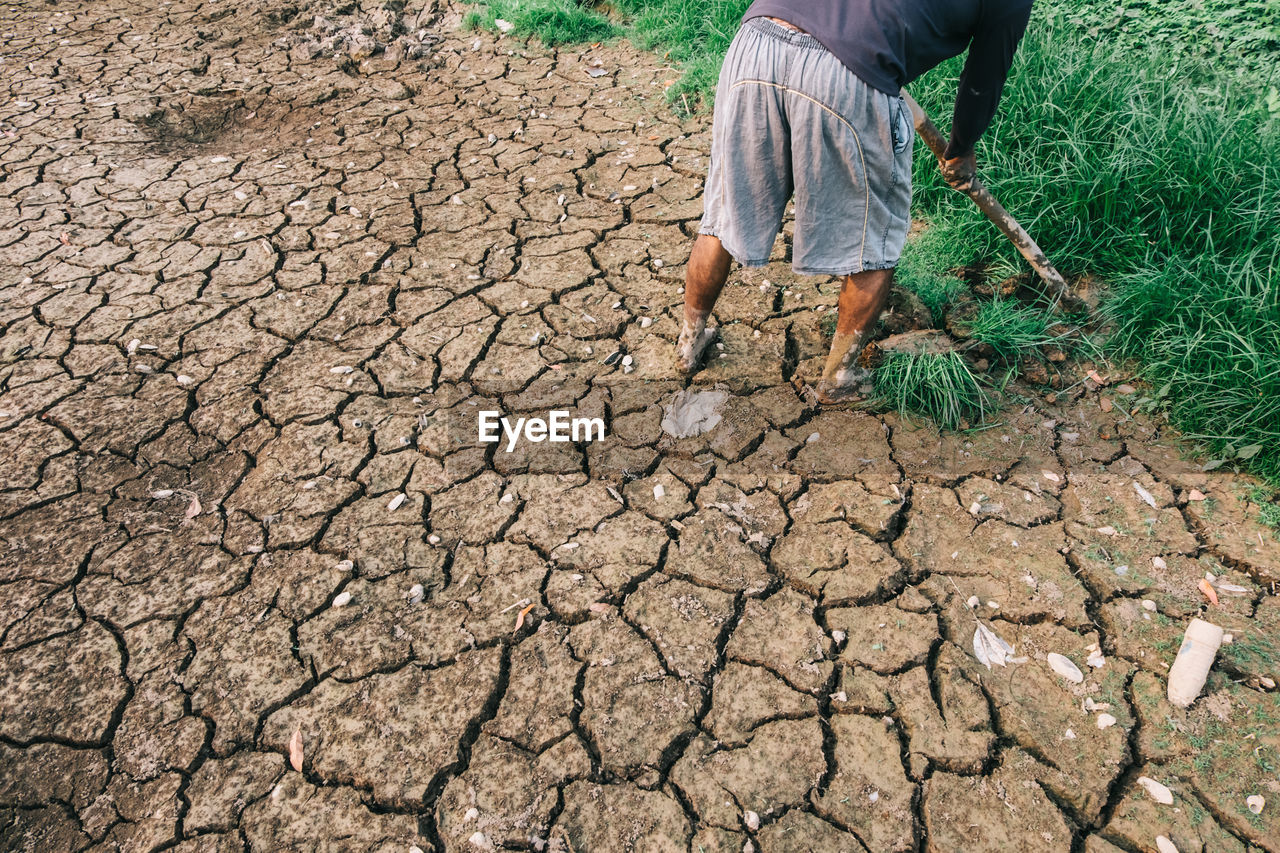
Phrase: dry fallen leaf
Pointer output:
(1209, 592)
(1105, 404)
(520, 617)
(989, 648)
(1093, 374)
(295, 750)
(1147, 498)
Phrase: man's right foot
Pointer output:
(852, 386)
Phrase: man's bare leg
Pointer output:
(862, 297)
(704, 279)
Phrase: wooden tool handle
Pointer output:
(993, 209)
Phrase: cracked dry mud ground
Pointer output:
(248, 301)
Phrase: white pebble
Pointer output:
(343, 599)
(1106, 721)
(659, 491)
(395, 502)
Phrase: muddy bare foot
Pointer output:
(852, 386)
(690, 348)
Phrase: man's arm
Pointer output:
(982, 82)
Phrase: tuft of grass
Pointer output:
(1012, 329)
(939, 387)
(925, 269)
(555, 22)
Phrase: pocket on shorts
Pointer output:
(903, 131)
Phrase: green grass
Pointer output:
(1136, 141)
(939, 387)
(1011, 328)
(926, 266)
(553, 21)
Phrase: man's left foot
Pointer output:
(694, 339)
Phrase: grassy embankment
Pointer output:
(1139, 143)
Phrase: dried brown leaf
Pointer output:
(295, 750)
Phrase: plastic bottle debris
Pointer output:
(1195, 657)
(1064, 667)
(1156, 791)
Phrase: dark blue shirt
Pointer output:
(889, 43)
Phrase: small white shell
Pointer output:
(659, 492)
(416, 594)
(1156, 791)
(1106, 721)
(343, 599)
(433, 539)
(1064, 667)
(345, 566)
(1148, 604)
(1164, 845)
(1159, 563)
(1256, 803)
(396, 502)
(752, 820)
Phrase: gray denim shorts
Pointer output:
(791, 118)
